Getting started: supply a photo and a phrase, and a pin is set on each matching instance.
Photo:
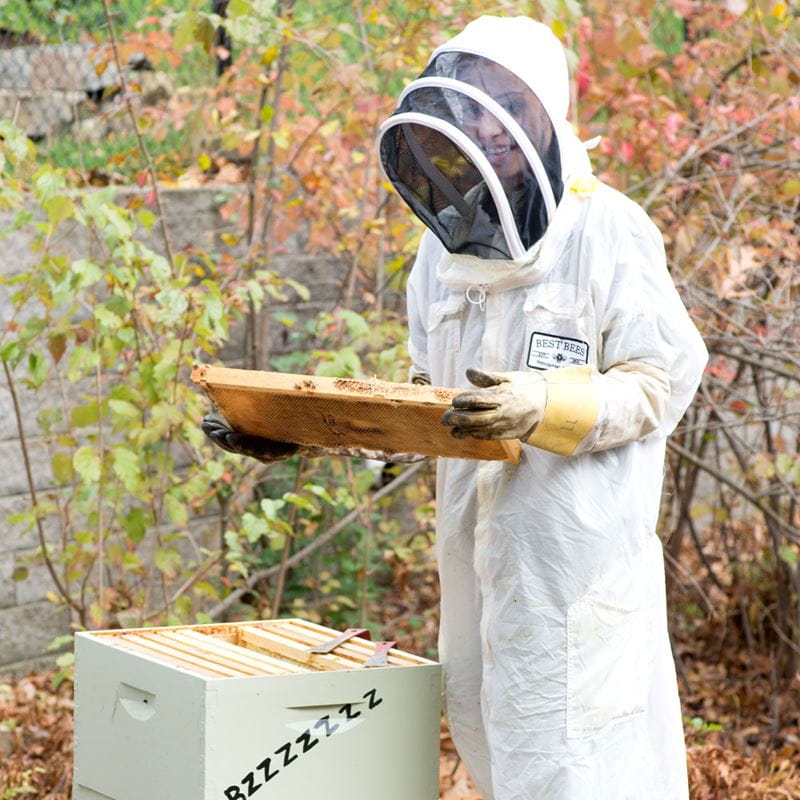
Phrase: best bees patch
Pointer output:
(547, 351)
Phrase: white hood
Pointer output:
(480, 147)
(531, 51)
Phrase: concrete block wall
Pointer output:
(28, 621)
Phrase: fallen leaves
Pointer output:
(36, 739)
(454, 780)
(716, 772)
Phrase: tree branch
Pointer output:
(139, 138)
(32, 490)
(790, 529)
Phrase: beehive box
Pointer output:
(344, 412)
(240, 710)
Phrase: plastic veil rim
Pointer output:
(478, 158)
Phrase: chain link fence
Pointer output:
(45, 88)
(56, 67)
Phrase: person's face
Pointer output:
(498, 145)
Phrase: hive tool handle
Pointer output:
(379, 657)
(332, 644)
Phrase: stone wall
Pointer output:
(28, 620)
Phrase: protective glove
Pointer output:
(419, 377)
(216, 428)
(507, 405)
(568, 411)
(268, 451)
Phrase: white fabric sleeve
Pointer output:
(587, 411)
(651, 358)
(632, 401)
(646, 321)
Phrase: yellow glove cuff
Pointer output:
(570, 411)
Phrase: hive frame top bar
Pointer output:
(248, 649)
(338, 413)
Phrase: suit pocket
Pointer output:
(606, 648)
(444, 338)
(559, 327)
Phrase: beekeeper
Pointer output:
(545, 295)
(547, 291)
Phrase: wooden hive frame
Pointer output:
(246, 649)
(338, 413)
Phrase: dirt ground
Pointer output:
(36, 752)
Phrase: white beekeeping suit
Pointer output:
(560, 683)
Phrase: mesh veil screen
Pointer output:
(443, 186)
(448, 193)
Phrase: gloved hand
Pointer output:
(216, 427)
(507, 405)
(418, 376)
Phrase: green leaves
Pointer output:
(176, 509)
(213, 321)
(109, 328)
(84, 416)
(146, 218)
(254, 527)
(667, 29)
(356, 325)
(135, 522)
(302, 291)
(48, 184)
(123, 412)
(194, 28)
(87, 464)
(168, 560)
(343, 363)
(61, 464)
(15, 146)
(238, 8)
(84, 273)
(790, 189)
(82, 360)
(37, 369)
(163, 419)
(58, 209)
(126, 466)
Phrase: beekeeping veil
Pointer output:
(479, 143)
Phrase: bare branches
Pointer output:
(790, 529)
(694, 154)
(143, 149)
(63, 590)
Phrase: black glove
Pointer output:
(265, 450)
